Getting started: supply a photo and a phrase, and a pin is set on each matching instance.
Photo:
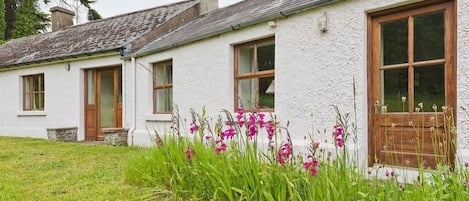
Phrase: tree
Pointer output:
(10, 17)
(29, 19)
(2, 21)
(93, 15)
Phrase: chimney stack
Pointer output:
(207, 5)
(61, 18)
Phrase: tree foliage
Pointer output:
(29, 19)
(19, 18)
(2, 21)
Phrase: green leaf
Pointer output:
(268, 196)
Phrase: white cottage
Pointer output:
(72, 77)
(399, 53)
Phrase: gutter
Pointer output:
(281, 14)
(44, 62)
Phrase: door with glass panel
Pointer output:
(412, 86)
(103, 101)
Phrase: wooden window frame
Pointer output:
(373, 49)
(251, 75)
(28, 80)
(416, 9)
(162, 86)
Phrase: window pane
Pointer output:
(106, 99)
(245, 59)
(394, 86)
(160, 76)
(36, 82)
(429, 86)
(429, 37)
(266, 57)
(91, 87)
(246, 90)
(164, 100)
(394, 42)
(266, 100)
(37, 101)
(169, 73)
(27, 101)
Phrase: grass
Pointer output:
(36, 169)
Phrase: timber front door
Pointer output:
(103, 101)
(412, 85)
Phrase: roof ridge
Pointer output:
(127, 14)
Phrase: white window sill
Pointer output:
(158, 117)
(31, 113)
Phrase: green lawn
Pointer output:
(35, 169)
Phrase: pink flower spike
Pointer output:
(307, 164)
(270, 130)
(261, 120)
(314, 171)
(240, 116)
(220, 148)
(208, 137)
(194, 128)
(189, 153)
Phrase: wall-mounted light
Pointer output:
(322, 22)
(67, 66)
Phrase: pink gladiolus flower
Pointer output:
(338, 136)
(220, 148)
(228, 133)
(261, 120)
(314, 171)
(270, 130)
(194, 128)
(284, 152)
(189, 153)
(311, 165)
(240, 116)
(208, 137)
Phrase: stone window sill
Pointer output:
(31, 114)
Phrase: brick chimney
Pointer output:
(61, 18)
(207, 5)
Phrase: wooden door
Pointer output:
(103, 101)
(412, 86)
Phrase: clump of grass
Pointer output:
(36, 169)
(223, 161)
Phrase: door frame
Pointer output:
(450, 74)
(96, 106)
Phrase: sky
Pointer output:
(108, 8)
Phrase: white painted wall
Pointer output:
(313, 71)
(63, 98)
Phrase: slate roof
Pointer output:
(242, 14)
(109, 34)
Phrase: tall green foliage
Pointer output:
(20, 18)
(2, 21)
(29, 19)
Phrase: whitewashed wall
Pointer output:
(63, 98)
(313, 71)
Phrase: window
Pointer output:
(254, 74)
(163, 87)
(33, 92)
(412, 59)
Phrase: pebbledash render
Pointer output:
(294, 59)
